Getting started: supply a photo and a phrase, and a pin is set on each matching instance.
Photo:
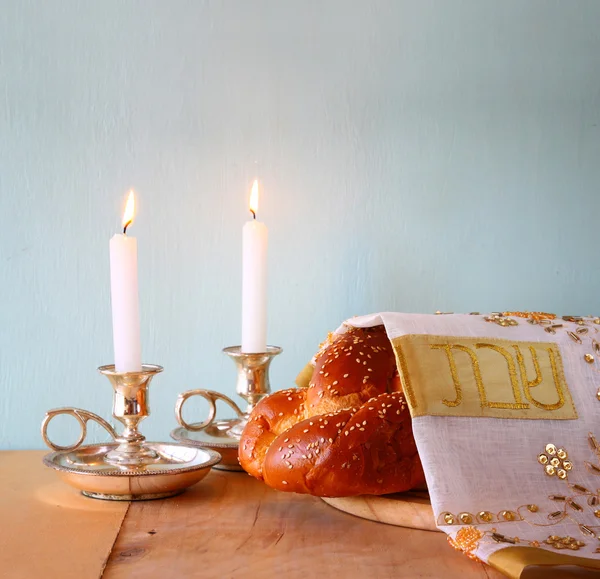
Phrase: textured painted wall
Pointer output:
(414, 156)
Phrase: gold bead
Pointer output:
(508, 515)
(555, 462)
(551, 449)
(560, 473)
(550, 470)
(533, 508)
(597, 513)
(567, 540)
(567, 465)
(449, 519)
(465, 518)
(561, 454)
(589, 358)
(543, 459)
(485, 516)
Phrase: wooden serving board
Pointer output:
(411, 509)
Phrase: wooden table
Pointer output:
(228, 525)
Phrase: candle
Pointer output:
(124, 296)
(254, 281)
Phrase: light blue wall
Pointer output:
(414, 156)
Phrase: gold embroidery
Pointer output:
(501, 320)
(558, 377)
(530, 384)
(518, 404)
(582, 329)
(594, 469)
(499, 538)
(460, 376)
(535, 316)
(405, 377)
(555, 462)
(466, 540)
(587, 531)
(536, 366)
(567, 542)
(448, 349)
(484, 517)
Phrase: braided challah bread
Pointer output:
(348, 433)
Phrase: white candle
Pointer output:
(254, 281)
(124, 296)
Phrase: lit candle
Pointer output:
(124, 296)
(254, 281)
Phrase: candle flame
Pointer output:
(129, 213)
(253, 205)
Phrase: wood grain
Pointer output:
(48, 529)
(230, 525)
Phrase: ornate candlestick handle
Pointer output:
(82, 416)
(211, 397)
(130, 407)
(224, 434)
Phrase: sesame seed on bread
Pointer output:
(348, 433)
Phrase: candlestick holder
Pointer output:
(130, 468)
(224, 435)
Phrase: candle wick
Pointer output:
(125, 227)
(253, 213)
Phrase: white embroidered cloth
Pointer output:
(482, 466)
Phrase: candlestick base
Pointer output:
(129, 468)
(175, 468)
(224, 435)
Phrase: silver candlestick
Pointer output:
(224, 435)
(130, 468)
